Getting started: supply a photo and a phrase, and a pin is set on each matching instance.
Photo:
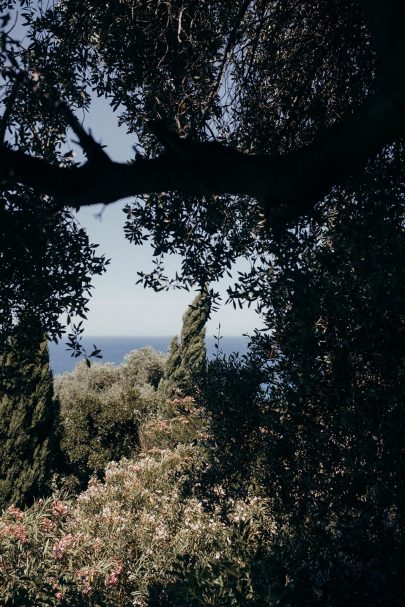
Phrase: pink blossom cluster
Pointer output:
(15, 512)
(56, 588)
(183, 401)
(112, 578)
(66, 542)
(47, 524)
(163, 426)
(85, 578)
(16, 531)
(59, 509)
(58, 593)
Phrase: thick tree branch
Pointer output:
(293, 182)
(296, 180)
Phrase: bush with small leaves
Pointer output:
(185, 425)
(143, 367)
(101, 410)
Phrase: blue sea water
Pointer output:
(113, 349)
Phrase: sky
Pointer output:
(119, 306)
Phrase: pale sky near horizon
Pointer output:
(119, 306)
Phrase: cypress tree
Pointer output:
(193, 350)
(187, 357)
(28, 421)
(168, 384)
(174, 358)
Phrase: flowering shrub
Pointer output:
(138, 535)
(43, 562)
(182, 423)
(135, 538)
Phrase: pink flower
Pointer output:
(16, 512)
(46, 524)
(59, 508)
(15, 531)
(59, 595)
(84, 577)
(112, 578)
(57, 552)
(20, 533)
(64, 544)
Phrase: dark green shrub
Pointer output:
(96, 431)
(329, 454)
(232, 393)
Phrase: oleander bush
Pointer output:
(140, 534)
(179, 421)
(134, 539)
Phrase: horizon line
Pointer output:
(151, 335)
(171, 335)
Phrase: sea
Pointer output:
(114, 349)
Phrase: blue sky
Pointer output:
(118, 305)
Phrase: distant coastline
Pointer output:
(114, 348)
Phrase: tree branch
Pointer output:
(226, 53)
(294, 182)
(93, 150)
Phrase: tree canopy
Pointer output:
(246, 117)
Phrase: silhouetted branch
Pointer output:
(225, 56)
(93, 150)
(294, 182)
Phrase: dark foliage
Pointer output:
(325, 439)
(187, 357)
(102, 408)
(328, 438)
(29, 416)
(46, 264)
(266, 76)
